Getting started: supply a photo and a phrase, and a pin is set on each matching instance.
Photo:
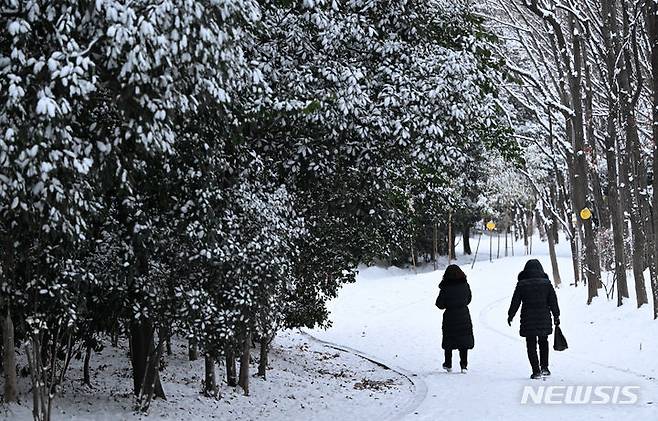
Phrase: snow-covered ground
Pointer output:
(307, 381)
(390, 315)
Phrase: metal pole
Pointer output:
(476, 250)
(498, 238)
(490, 246)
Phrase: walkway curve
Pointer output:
(483, 316)
(419, 385)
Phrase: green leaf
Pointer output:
(312, 107)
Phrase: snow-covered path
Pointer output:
(390, 314)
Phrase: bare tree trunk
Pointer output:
(575, 257)
(164, 333)
(231, 371)
(531, 230)
(152, 386)
(9, 358)
(413, 254)
(551, 251)
(39, 391)
(524, 226)
(435, 245)
(466, 231)
(114, 335)
(610, 30)
(506, 234)
(145, 358)
(451, 242)
(652, 31)
(592, 267)
(642, 241)
(86, 378)
(210, 383)
(192, 350)
(600, 209)
(570, 67)
(616, 215)
(243, 380)
(262, 363)
(633, 166)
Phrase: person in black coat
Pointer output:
(454, 297)
(536, 296)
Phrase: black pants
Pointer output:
(531, 344)
(463, 358)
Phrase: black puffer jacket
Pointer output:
(454, 297)
(536, 296)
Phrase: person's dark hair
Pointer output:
(453, 273)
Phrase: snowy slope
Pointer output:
(390, 314)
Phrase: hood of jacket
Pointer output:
(453, 275)
(532, 270)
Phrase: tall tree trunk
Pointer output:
(466, 231)
(600, 209)
(570, 68)
(192, 350)
(592, 268)
(452, 253)
(114, 337)
(231, 371)
(165, 334)
(616, 216)
(243, 380)
(151, 385)
(145, 358)
(435, 244)
(551, 251)
(652, 31)
(575, 255)
(642, 241)
(86, 377)
(632, 162)
(524, 227)
(531, 229)
(39, 384)
(262, 363)
(617, 202)
(210, 382)
(506, 245)
(9, 357)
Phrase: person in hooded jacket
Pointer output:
(536, 296)
(454, 297)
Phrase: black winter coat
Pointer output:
(454, 297)
(536, 296)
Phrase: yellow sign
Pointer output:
(491, 225)
(585, 213)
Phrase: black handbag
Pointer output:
(560, 342)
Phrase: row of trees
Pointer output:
(216, 170)
(587, 74)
